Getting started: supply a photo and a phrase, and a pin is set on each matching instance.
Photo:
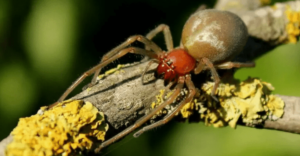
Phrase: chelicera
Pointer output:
(210, 39)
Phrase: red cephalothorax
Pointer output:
(175, 63)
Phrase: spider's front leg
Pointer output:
(167, 35)
(161, 28)
(130, 40)
(115, 54)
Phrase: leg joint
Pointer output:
(86, 74)
(131, 39)
(163, 26)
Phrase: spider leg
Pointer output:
(215, 75)
(147, 67)
(104, 63)
(167, 34)
(199, 67)
(229, 65)
(168, 39)
(168, 88)
(166, 119)
(152, 46)
(145, 118)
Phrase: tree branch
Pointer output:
(123, 98)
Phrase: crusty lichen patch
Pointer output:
(65, 129)
(293, 25)
(187, 109)
(250, 100)
(159, 100)
(116, 70)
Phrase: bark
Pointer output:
(290, 120)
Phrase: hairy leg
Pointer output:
(152, 46)
(147, 67)
(104, 63)
(167, 34)
(229, 65)
(215, 75)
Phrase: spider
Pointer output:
(210, 39)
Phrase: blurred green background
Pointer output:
(46, 44)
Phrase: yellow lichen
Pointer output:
(293, 25)
(116, 70)
(251, 100)
(275, 106)
(187, 109)
(68, 127)
(159, 100)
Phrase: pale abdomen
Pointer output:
(216, 35)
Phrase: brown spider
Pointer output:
(210, 39)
